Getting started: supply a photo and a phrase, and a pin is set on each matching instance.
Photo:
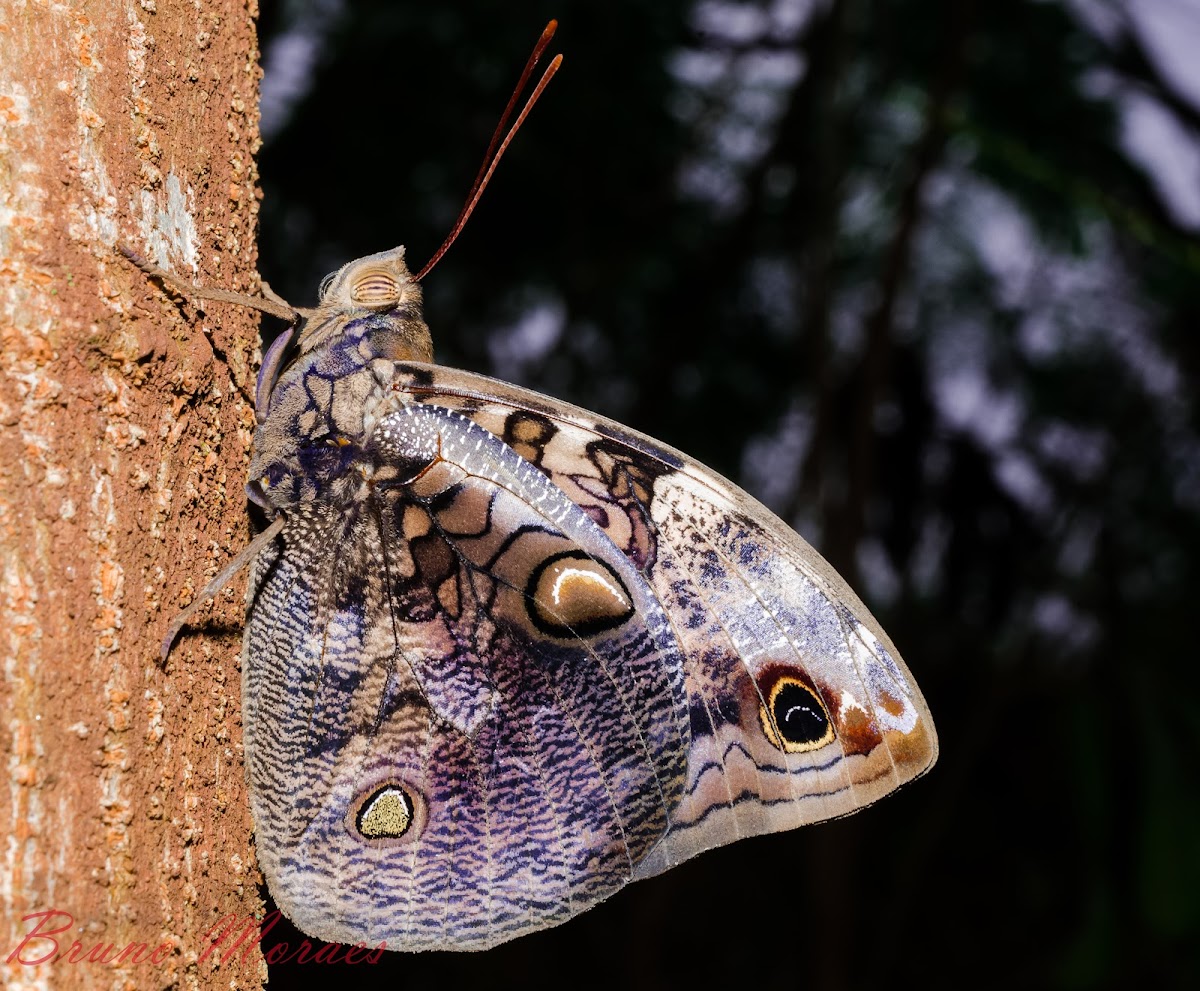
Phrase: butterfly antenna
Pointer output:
(497, 147)
(530, 65)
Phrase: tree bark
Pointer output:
(125, 425)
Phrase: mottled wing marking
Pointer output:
(608, 480)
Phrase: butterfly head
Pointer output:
(376, 284)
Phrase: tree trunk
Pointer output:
(125, 429)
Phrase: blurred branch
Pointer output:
(845, 517)
(1135, 211)
(848, 525)
(820, 126)
(739, 236)
(1133, 59)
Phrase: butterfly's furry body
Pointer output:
(505, 656)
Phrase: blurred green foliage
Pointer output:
(892, 265)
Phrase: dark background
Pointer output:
(921, 277)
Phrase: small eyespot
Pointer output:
(256, 491)
(323, 440)
(386, 812)
(793, 716)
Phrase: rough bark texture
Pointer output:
(125, 430)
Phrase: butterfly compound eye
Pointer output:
(376, 289)
(793, 715)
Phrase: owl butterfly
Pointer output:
(503, 656)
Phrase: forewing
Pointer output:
(800, 706)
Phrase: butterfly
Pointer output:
(503, 656)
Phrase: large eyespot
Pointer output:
(793, 715)
(571, 595)
(388, 812)
(376, 289)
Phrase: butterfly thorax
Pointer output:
(322, 409)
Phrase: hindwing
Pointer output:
(465, 709)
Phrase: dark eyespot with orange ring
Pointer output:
(793, 716)
(386, 812)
